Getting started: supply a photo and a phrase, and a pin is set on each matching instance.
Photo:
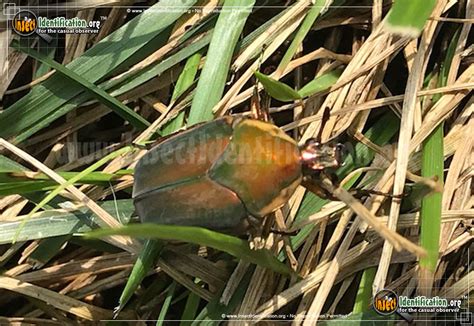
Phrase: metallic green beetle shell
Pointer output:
(214, 175)
(261, 164)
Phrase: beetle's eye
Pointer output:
(340, 152)
(311, 142)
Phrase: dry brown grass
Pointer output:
(78, 283)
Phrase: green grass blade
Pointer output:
(190, 309)
(142, 266)
(261, 29)
(408, 17)
(95, 177)
(187, 76)
(96, 245)
(214, 310)
(111, 102)
(14, 182)
(43, 105)
(22, 188)
(157, 69)
(71, 181)
(7, 164)
(432, 165)
(47, 249)
(364, 293)
(232, 245)
(320, 83)
(284, 93)
(166, 304)
(80, 175)
(430, 215)
(49, 50)
(313, 13)
(119, 88)
(157, 286)
(276, 89)
(185, 80)
(31, 129)
(52, 223)
(213, 77)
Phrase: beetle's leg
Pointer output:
(255, 103)
(265, 107)
(315, 188)
(313, 184)
(284, 232)
(254, 222)
(146, 146)
(255, 232)
(267, 226)
(358, 193)
(259, 105)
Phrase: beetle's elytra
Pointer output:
(217, 174)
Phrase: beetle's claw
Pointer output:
(257, 243)
(284, 232)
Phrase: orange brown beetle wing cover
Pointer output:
(216, 174)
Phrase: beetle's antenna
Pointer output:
(255, 102)
(259, 104)
(260, 60)
(324, 119)
(359, 192)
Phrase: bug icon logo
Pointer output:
(25, 23)
(385, 302)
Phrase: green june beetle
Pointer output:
(225, 174)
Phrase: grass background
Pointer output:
(395, 77)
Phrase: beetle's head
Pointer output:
(316, 156)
